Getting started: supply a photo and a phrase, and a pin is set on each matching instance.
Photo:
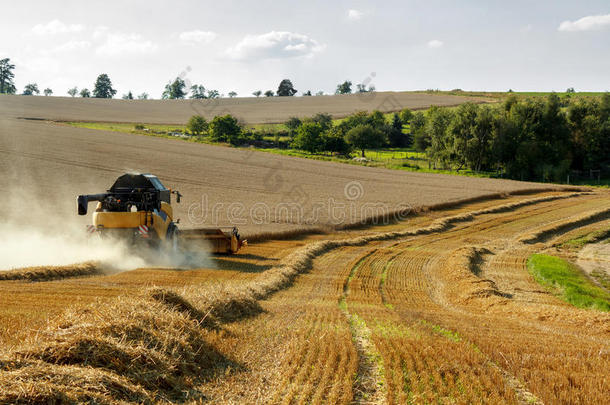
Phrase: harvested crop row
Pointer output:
(300, 260)
(303, 337)
(416, 357)
(499, 334)
(47, 273)
(135, 349)
(543, 234)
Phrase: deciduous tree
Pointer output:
(197, 124)
(225, 128)
(344, 88)
(7, 86)
(31, 89)
(103, 87)
(364, 137)
(286, 89)
(175, 90)
(198, 92)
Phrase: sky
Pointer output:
(244, 46)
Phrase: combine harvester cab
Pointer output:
(137, 208)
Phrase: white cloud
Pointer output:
(435, 43)
(42, 64)
(100, 31)
(70, 46)
(526, 28)
(355, 15)
(56, 27)
(589, 23)
(117, 44)
(198, 36)
(275, 44)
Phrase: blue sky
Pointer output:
(244, 46)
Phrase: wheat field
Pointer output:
(436, 306)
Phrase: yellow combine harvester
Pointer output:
(137, 208)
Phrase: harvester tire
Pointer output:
(171, 239)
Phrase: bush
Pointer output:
(325, 120)
(406, 115)
(139, 127)
(197, 124)
(334, 141)
(293, 124)
(225, 128)
(309, 137)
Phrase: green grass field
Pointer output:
(581, 241)
(568, 282)
(503, 94)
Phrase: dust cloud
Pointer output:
(46, 231)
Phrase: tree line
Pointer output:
(526, 139)
(315, 134)
(175, 89)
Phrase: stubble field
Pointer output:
(437, 307)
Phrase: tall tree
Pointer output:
(406, 115)
(286, 89)
(85, 93)
(198, 91)
(143, 96)
(47, 91)
(269, 93)
(421, 140)
(175, 90)
(362, 88)
(365, 137)
(344, 88)
(307, 93)
(128, 96)
(395, 136)
(31, 89)
(437, 122)
(213, 94)
(257, 93)
(232, 94)
(7, 86)
(103, 87)
(73, 91)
